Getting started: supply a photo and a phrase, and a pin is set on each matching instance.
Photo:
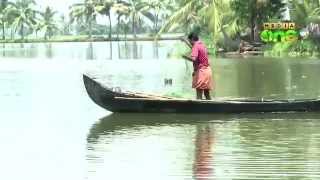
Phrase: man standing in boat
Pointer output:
(202, 74)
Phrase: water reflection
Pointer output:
(89, 54)
(122, 121)
(203, 168)
(256, 79)
(158, 143)
(132, 50)
(23, 51)
(267, 78)
(135, 50)
(124, 50)
(204, 146)
(90, 50)
(3, 49)
(49, 53)
(155, 49)
(110, 52)
(252, 78)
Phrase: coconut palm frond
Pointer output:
(305, 12)
(315, 20)
(214, 19)
(232, 28)
(316, 12)
(178, 17)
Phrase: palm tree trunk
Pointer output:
(125, 35)
(134, 26)
(156, 24)
(252, 23)
(118, 25)
(3, 33)
(257, 28)
(11, 34)
(90, 29)
(139, 28)
(110, 26)
(21, 32)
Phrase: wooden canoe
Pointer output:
(115, 100)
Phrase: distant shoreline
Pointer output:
(87, 39)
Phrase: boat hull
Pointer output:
(115, 101)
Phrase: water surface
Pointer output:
(224, 146)
(52, 130)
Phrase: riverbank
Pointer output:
(305, 48)
(85, 38)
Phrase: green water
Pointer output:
(50, 129)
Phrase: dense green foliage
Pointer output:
(253, 13)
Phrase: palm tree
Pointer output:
(23, 14)
(305, 12)
(221, 20)
(3, 15)
(9, 19)
(215, 17)
(121, 11)
(186, 14)
(2, 23)
(48, 23)
(124, 25)
(158, 9)
(138, 11)
(37, 28)
(84, 12)
(104, 7)
(64, 25)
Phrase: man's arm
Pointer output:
(193, 56)
(188, 58)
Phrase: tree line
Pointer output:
(221, 20)
(133, 16)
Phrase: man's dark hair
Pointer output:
(193, 36)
